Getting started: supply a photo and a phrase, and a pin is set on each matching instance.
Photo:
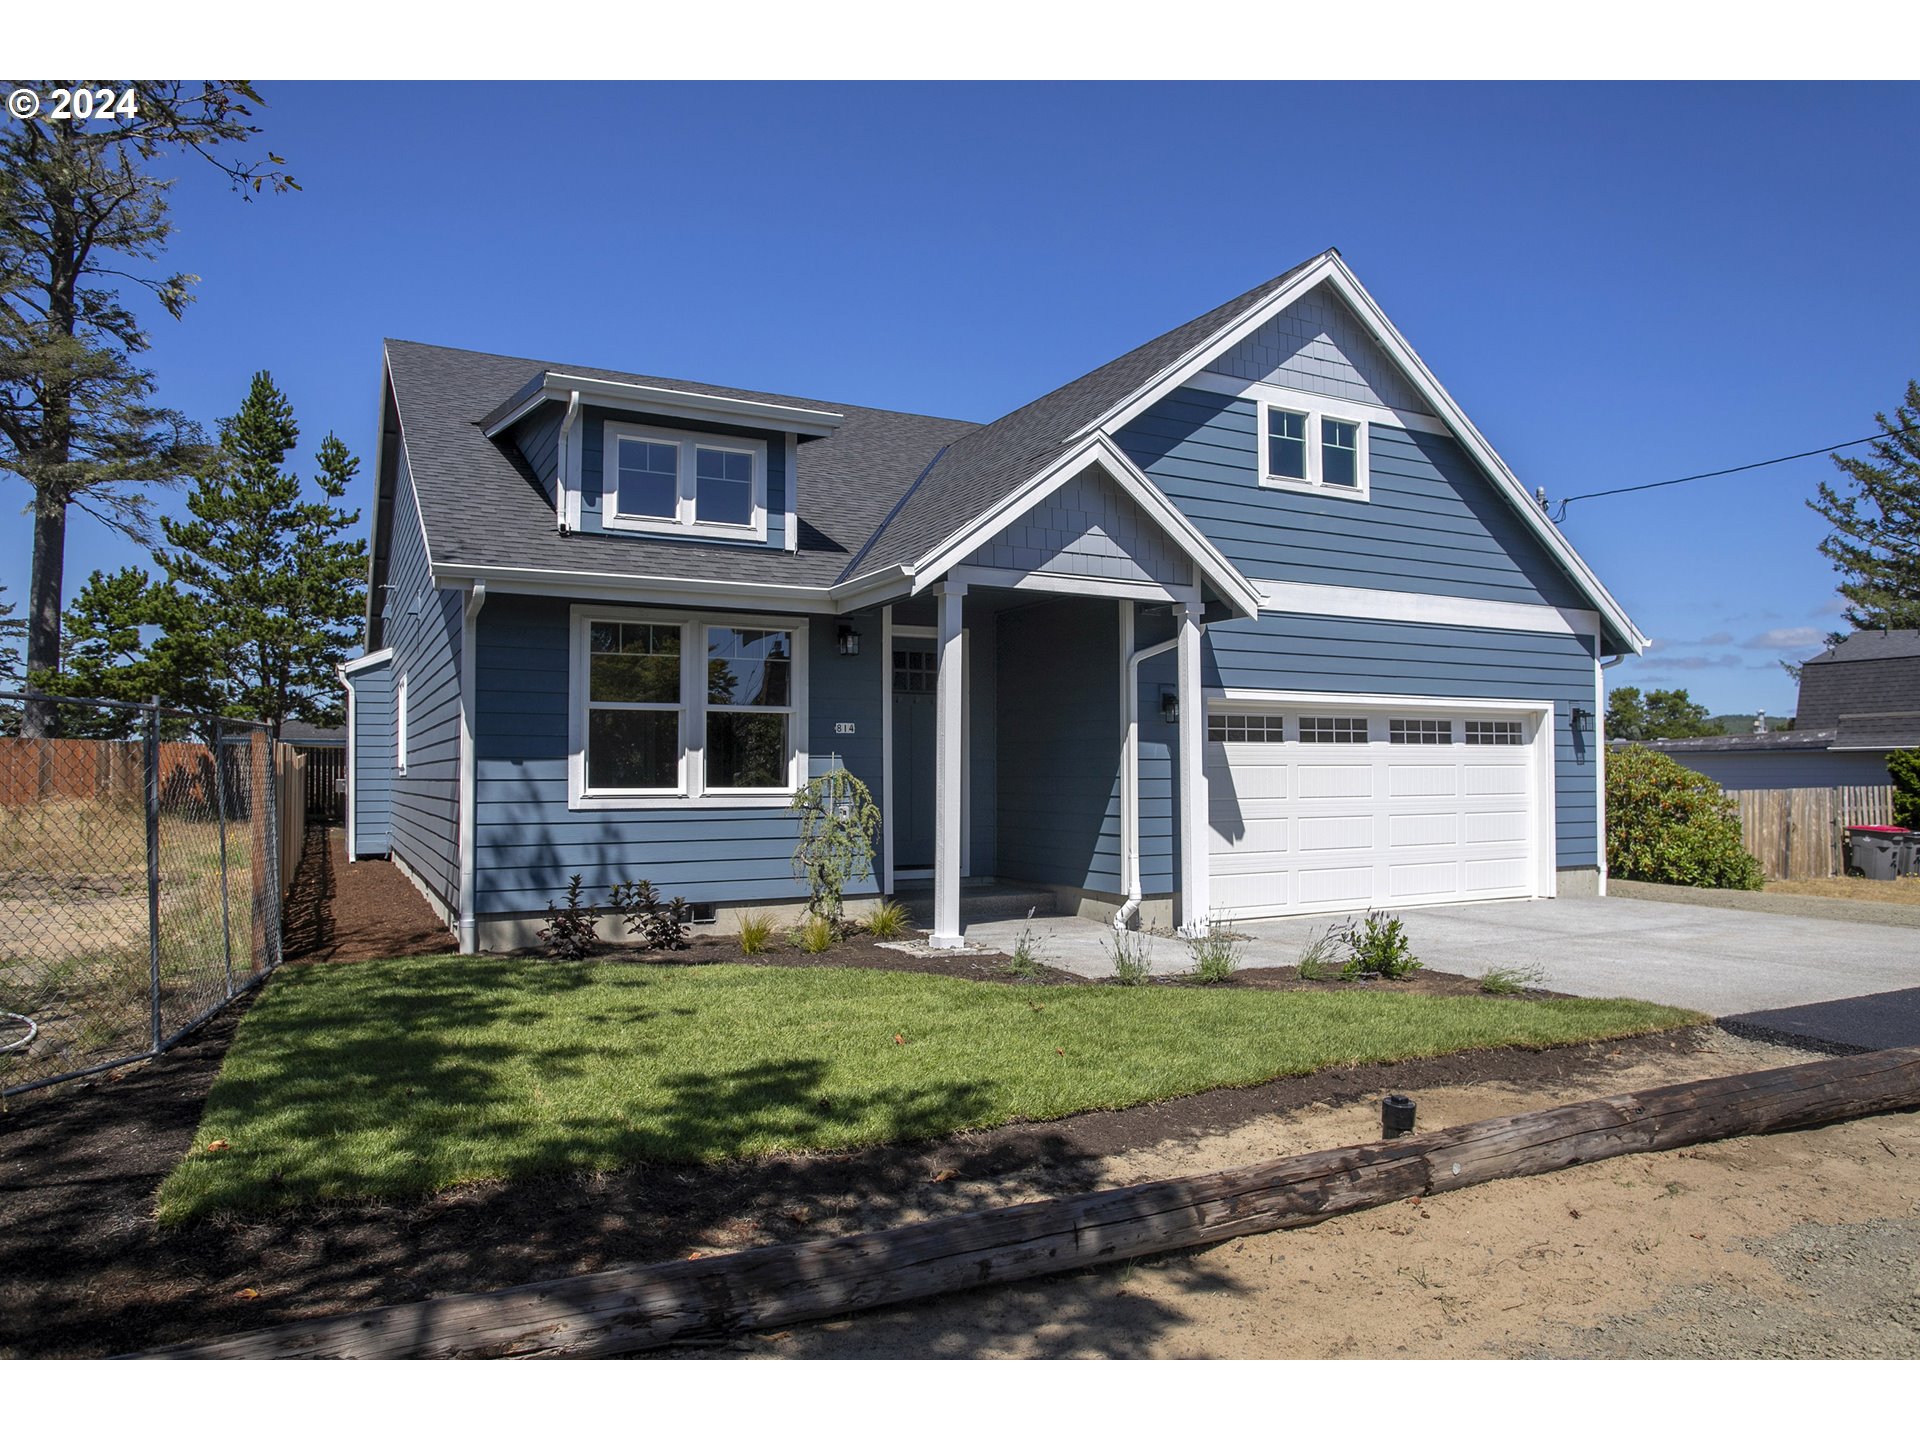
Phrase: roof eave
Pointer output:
(660, 400)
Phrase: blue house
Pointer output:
(1250, 621)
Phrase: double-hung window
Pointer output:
(683, 482)
(1305, 446)
(682, 709)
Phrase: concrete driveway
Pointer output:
(1720, 961)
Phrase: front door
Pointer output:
(914, 731)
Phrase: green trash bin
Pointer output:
(1876, 851)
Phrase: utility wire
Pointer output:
(1561, 513)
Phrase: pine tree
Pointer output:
(1875, 544)
(12, 632)
(81, 218)
(264, 574)
(116, 645)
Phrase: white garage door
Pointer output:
(1337, 807)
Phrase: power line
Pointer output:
(1561, 513)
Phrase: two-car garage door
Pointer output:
(1339, 806)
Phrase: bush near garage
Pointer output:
(1673, 826)
(1903, 768)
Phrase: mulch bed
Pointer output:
(84, 1270)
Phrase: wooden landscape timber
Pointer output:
(637, 1308)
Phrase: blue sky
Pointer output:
(1619, 283)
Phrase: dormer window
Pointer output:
(684, 482)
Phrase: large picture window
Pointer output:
(680, 709)
(667, 481)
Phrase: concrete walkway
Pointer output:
(1720, 961)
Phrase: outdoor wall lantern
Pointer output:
(1170, 706)
(1582, 717)
(849, 639)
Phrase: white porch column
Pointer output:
(949, 768)
(1191, 740)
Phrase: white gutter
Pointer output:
(1130, 762)
(562, 475)
(468, 926)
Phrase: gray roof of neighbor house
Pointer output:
(1871, 672)
(482, 505)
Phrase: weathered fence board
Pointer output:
(1800, 834)
(645, 1307)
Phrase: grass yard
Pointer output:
(397, 1078)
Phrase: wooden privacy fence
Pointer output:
(290, 785)
(1801, 834)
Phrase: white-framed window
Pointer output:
(683, 482)
(1419, 732)
(1494, 732)
(1312, 447)
(1248, 729)
(400, 725)
(683, 709)
(1333, 729)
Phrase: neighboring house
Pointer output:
(1859, 701)
(1249, 621)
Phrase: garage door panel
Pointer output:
(1335, 832)
(1327, 826)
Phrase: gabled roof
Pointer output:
(1871, 645)
(1868, 673)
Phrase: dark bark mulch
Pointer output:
(359, 911)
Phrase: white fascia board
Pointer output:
(1101, 450)
(688, 404)
(365, 662)
(1331, 270)
(636, 589)
(1357, 603)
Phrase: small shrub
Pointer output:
(1513, 979)
(1377, 945)
(1216, 952)
(815, 934)
(1673, 826)
(1319, 960)
(838, 821)
(1132, 952)
(657, 924)
(756, 933)
(1025, 962)
(889, 920)
(568, 933)
(1903, 768)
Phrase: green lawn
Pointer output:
(400, 1077)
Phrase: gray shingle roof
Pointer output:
(1872, 672)
(1871, 645)
(989, 463)
(482, 505)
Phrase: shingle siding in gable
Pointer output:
(1433, 524)
(1089, 528)
(1317, 344)
(423, 627)
(538, 440)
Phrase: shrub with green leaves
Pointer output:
(756, 933)
(1377, 946)
(568, 933)
(1673, 826)
(1903, 768)
(838, 821)
(654, 923)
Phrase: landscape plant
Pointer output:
(1377, 948)
(1216, 952)
(838, 821)
(1903, 768)
(815, 934)
(1670, 825)
(1319, 958)
(756, 933)
(1132, 952)
(655, 923)
(1513, 979)
(889, 920)
(1024, 963)
(568, 933)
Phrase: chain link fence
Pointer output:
(140, 880)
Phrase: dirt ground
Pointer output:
(1903, 891)
(362, 911)
(1796, 1245)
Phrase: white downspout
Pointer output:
(352, 757)
(469, 787)
(1600, 748)
(1130, 767)
(563, 473)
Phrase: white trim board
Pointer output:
(1292, 597)
(676, 404)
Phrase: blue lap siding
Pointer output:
(527, 840)
(372, 758)
(423, 627)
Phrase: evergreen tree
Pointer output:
(12, 632)
(81, 216)
(117, 644)
(1875, 543)
(265, 575)
(1659, 715)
